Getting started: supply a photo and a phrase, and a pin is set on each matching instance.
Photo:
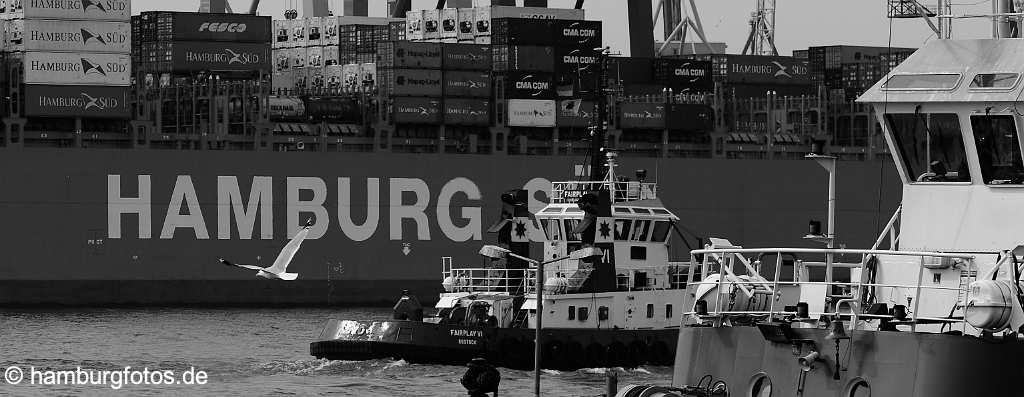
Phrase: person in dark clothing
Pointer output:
(481, 378)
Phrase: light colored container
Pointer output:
(77, 36)
(531, 113)
(64, 68)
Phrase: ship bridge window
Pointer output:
(640, 229)
(553, 229)
(660, 233)
(998, 149)
(994, 80)
(931, 146)
(570, 225)
(931, 82)
(622, 229)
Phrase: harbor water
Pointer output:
(250, 352)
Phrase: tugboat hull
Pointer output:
(427, 343)
(889, 363)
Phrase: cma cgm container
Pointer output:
(580, 61)
(80, 36)
(60, 68)
(93, 10)
(578, 34)
(194, 26)
(683, 74)
(523, 58)
(405, 54)
(531, 113)
(77, 101)
(467, 84)
(408, 110)
(471, 112)
(228, 57)
(535, 13)
(529, 85)
(649, 116)
(467, 57)
(411, 82)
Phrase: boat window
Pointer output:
(998, 149)
(602, 313)
(650, 310)
(931, 146)
(622, 229)
(946, 81)
(570, 225)
(552, 209)
(994, 80)
(660, 211)
(761, 387)
(660, 233)
(572, 312)
(640, 229)
(583, 314)
(622, 210)
(553, 229)
(668, 310)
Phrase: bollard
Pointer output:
(611, 382)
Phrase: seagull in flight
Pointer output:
(277, 271)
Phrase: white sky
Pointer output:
(800, 23)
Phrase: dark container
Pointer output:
(194, 26)
(194, 56)
(690, 118)
(411, 82)
(407, 54)
(650, 116)
(579, 61)
(522, 31)
(683, 75)
(467, 57)
(77, 101)
(409, 110)
(336, 109)
(467, 84)
(524, 58)
(578, 34)
(529, 85)
(756, 69)
(471, 112)
(630, 70)
(576, 113)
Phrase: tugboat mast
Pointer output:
(599, 133)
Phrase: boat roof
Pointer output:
(650, 208)
(982, 70)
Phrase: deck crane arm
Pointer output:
(255, 5)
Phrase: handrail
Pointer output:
(621, 191)
(890, 229)
(839, 251)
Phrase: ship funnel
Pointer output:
(807, 361)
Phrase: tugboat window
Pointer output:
(998, 149)
(668, 310)
(583, 314)
(553, 229)
(602, 313)
(622, 229)
(762, 386)
(570, 225)
(640, 229)
(572, 312)
(931, 146)
(661, 229)
(994, 80)
(650, 310)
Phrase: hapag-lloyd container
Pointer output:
(405, 54)
(66, 68)
(77, 101)
(78, 36)
(467, 84)
(531, 113)
(467, 56)
(411, 82)
(473, 112)
(410, 110)
(97, 10)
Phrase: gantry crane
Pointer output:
(762, 30)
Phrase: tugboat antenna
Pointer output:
(600, 131)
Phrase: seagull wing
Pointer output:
(289, 251)
(229, 263)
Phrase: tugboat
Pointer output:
(609, 295)
(934, 307)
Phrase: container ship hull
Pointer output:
(146, 227)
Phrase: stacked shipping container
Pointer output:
(184, 44)
(75, 60)
(411, 78)
(847, 71)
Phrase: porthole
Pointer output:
(858, 388)
(760, 385)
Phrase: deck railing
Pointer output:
(726, 261)
(481, 280)
(569, 192)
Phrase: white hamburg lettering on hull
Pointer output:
(305, 196)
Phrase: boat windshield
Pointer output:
(998, 149)
(931, 146)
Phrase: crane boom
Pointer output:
(255, 5)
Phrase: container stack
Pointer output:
(847, 71)
(180, 44)
(473, 25)
(467, 84)
(334, 53)
(75, 60)
(410, 75)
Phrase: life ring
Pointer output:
(660, 354)
(596, 355)
(618, 355)
(553, 355)
(575, 356)
(637, 354)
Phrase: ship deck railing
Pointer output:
(742, 277)
(570, 192)
(567, 277)
(485, 280)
